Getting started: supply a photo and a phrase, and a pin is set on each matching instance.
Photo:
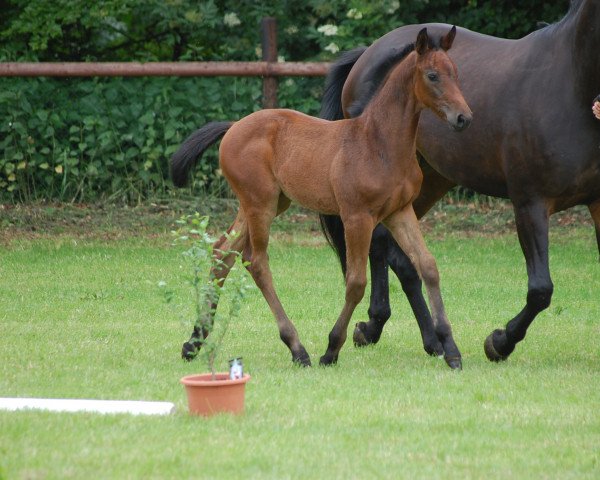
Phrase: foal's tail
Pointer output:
(192, 149)
(331, 109)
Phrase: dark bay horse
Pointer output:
(364, 169)
(534, 141)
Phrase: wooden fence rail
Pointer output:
(154, 69)
(269, 68)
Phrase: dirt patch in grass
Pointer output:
(157, 218)
(109, 221)
(490, 217)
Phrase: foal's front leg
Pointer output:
(411, 285)
(384, 251)
(404, 227)
(358, 230)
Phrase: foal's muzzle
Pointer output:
(461, 122)
(458, 117)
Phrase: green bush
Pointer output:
(82, 140)
(79, 140)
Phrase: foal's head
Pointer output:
(436, 80)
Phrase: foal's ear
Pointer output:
(446, 41)
(422, 43)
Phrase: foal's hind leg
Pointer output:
(224, 250)
(404, 226)
(259, 222)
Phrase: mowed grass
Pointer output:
(85, 319)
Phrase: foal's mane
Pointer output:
(380, 73)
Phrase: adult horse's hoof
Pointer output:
(189, 351)
(455, 363)
(363, 336)
(328, 359)
(433, 348)
(302, 359)
(490, 350)
(359, 336)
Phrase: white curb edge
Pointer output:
(96, 406)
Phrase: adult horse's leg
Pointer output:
(412, 287)
(366, 333)
(224, 250)
(404, 226)
(259, 222)
(387, 252)
(595, 211)
(358, 230)
(532, 228)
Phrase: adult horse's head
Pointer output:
(436, 80)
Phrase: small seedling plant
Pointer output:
(205, 291)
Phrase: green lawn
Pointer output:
(83, 318)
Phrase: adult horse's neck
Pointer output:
(582, 29)
(395, 107)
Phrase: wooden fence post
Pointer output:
(269, 54)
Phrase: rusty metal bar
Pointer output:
(159, 69)
(268, 27)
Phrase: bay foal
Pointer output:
(363, 169)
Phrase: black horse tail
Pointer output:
(331, 109)
(193, 147)
(331, 104)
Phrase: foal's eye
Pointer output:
(432, 76)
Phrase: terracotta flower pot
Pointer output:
(209, 397)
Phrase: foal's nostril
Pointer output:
(462, 122)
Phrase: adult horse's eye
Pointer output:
(432, 76)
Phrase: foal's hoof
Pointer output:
(455, 363)
(189, 351)
(328, 359)
(491, 351)
(362, 337)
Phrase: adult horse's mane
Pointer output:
(382, 71)
(550, 28)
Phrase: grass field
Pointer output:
(82, 317)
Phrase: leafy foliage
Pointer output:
(201, 258)
(80, 140)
